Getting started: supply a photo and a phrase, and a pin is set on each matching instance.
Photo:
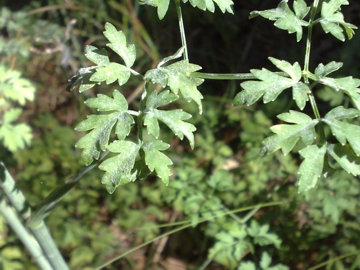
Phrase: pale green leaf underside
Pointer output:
(311, 168)
(156, 160)
(119, 168)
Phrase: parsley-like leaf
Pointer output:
(119, 168)
(312, 166)
(332, 18)
(162, 6)
(101, 125)
(285, 18)
(347, 160)
(344, 131)
(173, 119)
(156, 160)
(15, 136)
(176, 76)
(224, 5)
(287, 135)
(271, 85)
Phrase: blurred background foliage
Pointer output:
(45, 41)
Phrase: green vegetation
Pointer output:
(136, 194)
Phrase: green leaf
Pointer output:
(173, 119)
(176, 76)
(285, 18)
(322, 70)
(265, 260)
(15, 136)
(348, 85)
(119, 168)
(97, 56)
(101, 125)
(247, 266)
(110, 73)
(271, 85)
(12, 86)
(229, 249)
(162, 6)
(224, 5)
(344, 131)
(262, 236)
(287, 135)
(118, 44)
(332, 19)
(156, 160)
(312, 166)
(82, 77)
(345, 157)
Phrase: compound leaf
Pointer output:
(224, 5)
(176, 76)
(173, 119)
(12, 86)
(155, 160)
(82, 77)
(15, 136)
(285, 18)
(101, 125)
(119, 168)
(332, 19)
(261, 234)
(118, 44)
(344, 131)
(271, 85)
(312, 166)
(287, 135)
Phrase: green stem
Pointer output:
(182, 29)
(25, 237)
(188, 224)
(229, 76)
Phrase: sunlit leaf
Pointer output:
(332, 20)
(285, 18)
(312, 166)
(345, 157)
(156, 160)
(174, 119)
(287, 135)
(101, 125)
(119, 168)
(344, 132)
(162, 6)
(224, 5)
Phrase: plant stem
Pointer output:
(25, 237)
(41, 233)
(229, 76)
(307, 57)
(182, 29)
